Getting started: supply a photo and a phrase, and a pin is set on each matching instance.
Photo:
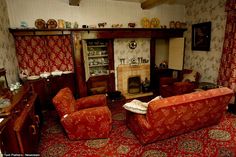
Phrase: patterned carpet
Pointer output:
(218, 140)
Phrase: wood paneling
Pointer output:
(151, 3)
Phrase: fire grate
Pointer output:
(134, 84)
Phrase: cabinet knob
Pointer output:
(33, 129)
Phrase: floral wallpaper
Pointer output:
(125, 55)
(122, 50)
(8, 58)
(207, 63)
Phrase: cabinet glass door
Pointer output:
(96, 57)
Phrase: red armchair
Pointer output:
(186, 83)
(84, 118)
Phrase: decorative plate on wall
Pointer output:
(51, 23)
(145, 23)
(40, 24)
(132, 44)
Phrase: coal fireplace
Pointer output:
(134, 85)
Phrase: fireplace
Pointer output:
(134, 85)
(126, 71)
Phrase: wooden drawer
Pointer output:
(21, 132)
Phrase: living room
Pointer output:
(92, 12)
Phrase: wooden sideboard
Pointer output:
(47, 88)
(20, 128)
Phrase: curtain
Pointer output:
(31, 54)
(227, 72)
(60, 53)
(38, 54)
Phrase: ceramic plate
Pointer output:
(67, 72)
(45, 75)
(51, 23)
(40, 24)
(55, 73)
(34, 77)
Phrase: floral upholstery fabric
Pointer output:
(91, 101)
(179, 114)
(85, 118)
(64, 102)
(88, 123)
(186, 83)
(177, 88)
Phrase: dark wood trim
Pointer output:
(105, 32)
(148, 4)
(152, 61)
(111, 86)
(74, 2)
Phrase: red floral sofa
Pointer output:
(179, 114)
(84, 118)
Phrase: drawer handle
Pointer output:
(33, 129)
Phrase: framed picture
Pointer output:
(201, 36)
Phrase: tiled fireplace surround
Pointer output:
(124, 69)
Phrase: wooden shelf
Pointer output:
(104, 32)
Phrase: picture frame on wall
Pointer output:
(201, 36)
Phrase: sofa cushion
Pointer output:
(136, 106)
(64, 102)
(190, 77)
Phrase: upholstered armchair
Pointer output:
(185, 83)
(84, 118)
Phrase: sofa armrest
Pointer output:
(138, 120)
(91, 101)
(87, 120)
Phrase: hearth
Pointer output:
(134, 85)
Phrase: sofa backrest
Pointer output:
(193, 110)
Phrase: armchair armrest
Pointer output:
(167, 81)
(91, 101)
(85, 121)
(183, 87)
